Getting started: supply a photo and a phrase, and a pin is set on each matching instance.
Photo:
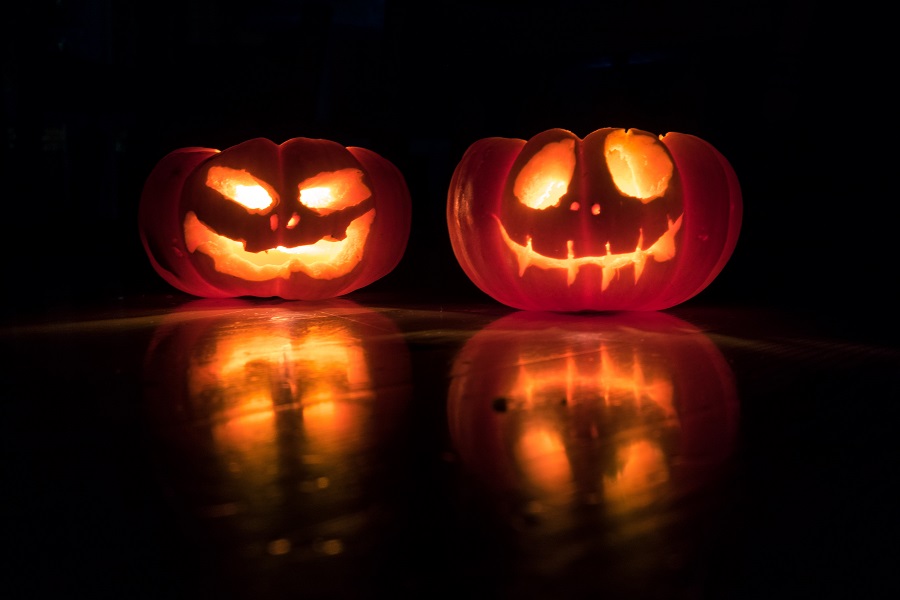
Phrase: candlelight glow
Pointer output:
(567, 417)
(320, 379)
(240, 186)
(642, 469)
(325, 259)
(247, 366)
(613, 199)
(545, 179)
(662, 250)
(542, 454)
(584, 397)
(639, 165)
(588, 374)
(333, 190)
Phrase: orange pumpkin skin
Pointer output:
(318, 220)
(553, 224)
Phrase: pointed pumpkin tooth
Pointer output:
(572, 270)
(639, 264)
(608, 274)
(524, 258)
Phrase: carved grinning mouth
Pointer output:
(661, 250)
(326, 259)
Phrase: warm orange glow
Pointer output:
(334, 427)
(252, 374)
(333, 190)
(545, 179)
(639, 164)
(246, 362)
(627, 378)
(326, 259)
(582, 376)
(661, 250)
(339, 373)
(570, 418)
(542, 454)
(241, 187)
(593, 386)
(641, 470)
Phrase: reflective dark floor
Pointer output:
(363, 448)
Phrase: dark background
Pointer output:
(96, 92)
(797, 94)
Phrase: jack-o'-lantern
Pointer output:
(305, 220)
(273, 421)
(618, 412)
(619, 220)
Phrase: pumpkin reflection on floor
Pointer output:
(270, 420)
(591, 428)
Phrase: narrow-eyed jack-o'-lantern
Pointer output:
(305, 220)
(616, 411)
(272, 421)
(621, 220)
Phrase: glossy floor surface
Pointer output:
(364, 448)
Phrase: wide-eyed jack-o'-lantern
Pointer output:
(621, 220)
(305, 220)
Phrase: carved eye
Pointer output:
(639, 165)
(241, 187)
(333, 190)
(545, 179)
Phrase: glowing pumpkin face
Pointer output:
(306, 220)
(621, 220)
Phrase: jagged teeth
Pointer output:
(639, 262)
(608, 274)
(572, 270)
(525, 257)
(661, 250)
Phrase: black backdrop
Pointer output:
(96, 92)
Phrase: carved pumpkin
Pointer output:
(616, 411)
(305, 220)
(273, 422)
(621, 220)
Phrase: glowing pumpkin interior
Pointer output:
(320, 197)
(640, 168)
